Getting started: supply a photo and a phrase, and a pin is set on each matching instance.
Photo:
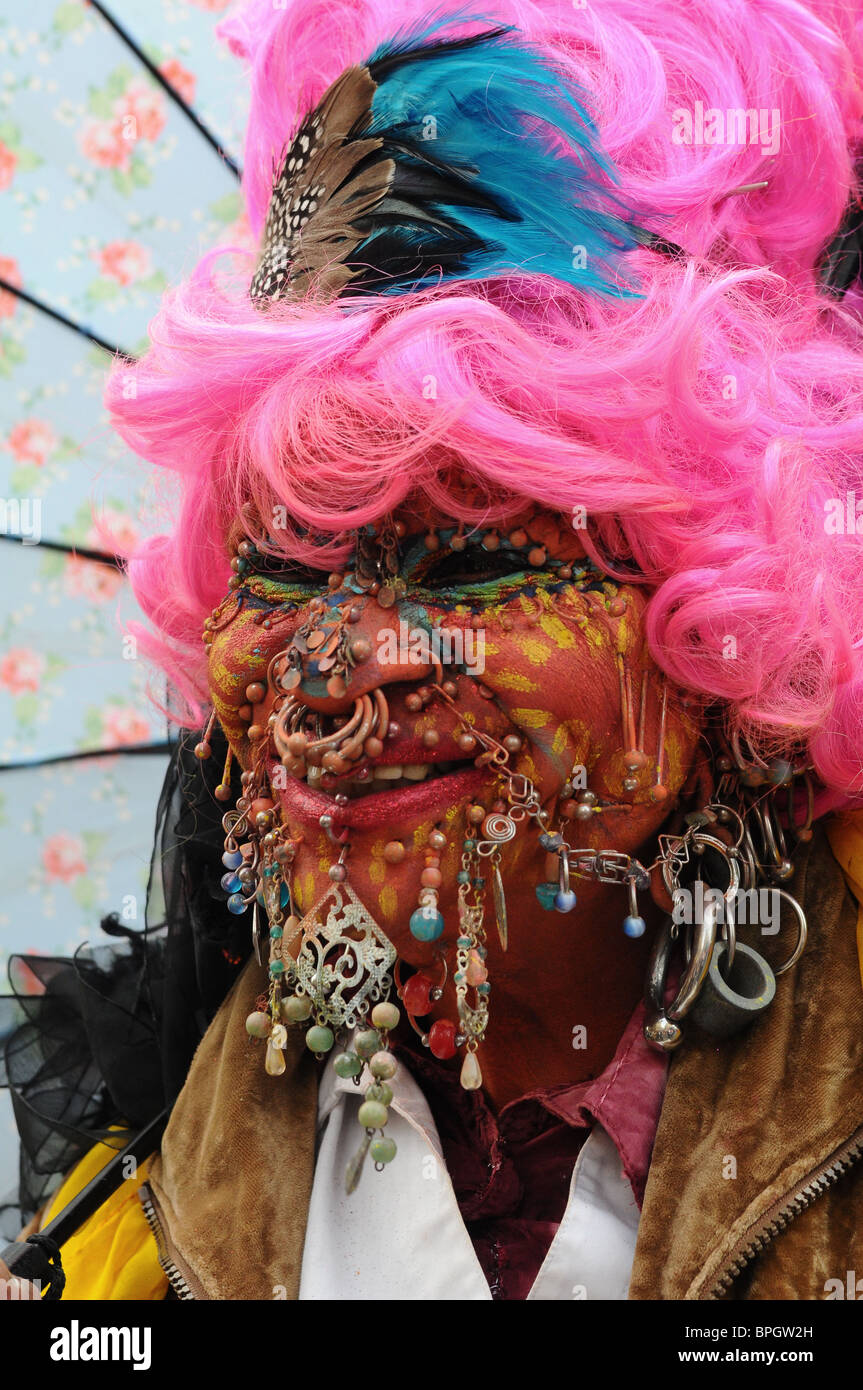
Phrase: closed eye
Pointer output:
(472, 567)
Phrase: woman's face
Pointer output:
(547, 643)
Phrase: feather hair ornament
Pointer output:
(439, 160)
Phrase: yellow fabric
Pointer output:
(845, 833)
(113, 1255)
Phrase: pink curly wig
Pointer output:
(703, 425)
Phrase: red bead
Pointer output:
(417, 995)
(442, 1035)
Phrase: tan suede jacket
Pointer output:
(755, 1188)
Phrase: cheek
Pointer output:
(554, 675)
(240, 654)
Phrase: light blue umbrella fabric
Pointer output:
(108, 194)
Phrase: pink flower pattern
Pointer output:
(123, 261)
(123, 726)
(63, 857)
(8, 162)
(20, 670)
(88, 579)
(9, 271)
(31, 441)
(181, 79)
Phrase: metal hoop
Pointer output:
(802, 932)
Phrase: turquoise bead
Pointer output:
(276, 933)
(319, 1039)
(546, 894)
(463, 941)
(426, 923)
(483, 989)
(462, 876)
(284, 895)
(469, 846)
(383, 1150)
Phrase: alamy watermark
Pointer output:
(21, 516)
(745, 906)
(734, 126)
(415, 646)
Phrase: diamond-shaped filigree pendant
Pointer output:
(343, 959)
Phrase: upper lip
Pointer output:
(407, 751)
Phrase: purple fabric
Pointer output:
(511, 1172)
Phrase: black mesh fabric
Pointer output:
(104, 1039)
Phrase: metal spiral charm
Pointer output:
(497, 829)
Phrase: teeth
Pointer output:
(416, 772)
(388, 774)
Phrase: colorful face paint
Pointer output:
(535, 636)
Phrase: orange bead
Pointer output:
(431, 878)
(394, 852)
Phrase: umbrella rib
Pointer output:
(60, 317)
(163, 82)
(132, 749)
(99, 557)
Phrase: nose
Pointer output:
(337, 664)
(348, 651)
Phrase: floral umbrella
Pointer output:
(115, 121)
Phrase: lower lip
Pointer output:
(381, 808)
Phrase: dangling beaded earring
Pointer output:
(427, 923)
(203, 750)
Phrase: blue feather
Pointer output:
(496, 115)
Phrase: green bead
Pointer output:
(469, 846)
(385, 1016)
(296, 1009)
(258, 1025)
(373, 1115)
(383, 1066)
(276, 933)
(319, 1039)
(462, 877)
(383, 1150)
(381, 1092)
(367, 1043)
(347, 1064)
(277, 968)
(546, 894)
(463, 941)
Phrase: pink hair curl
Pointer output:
(708, 427)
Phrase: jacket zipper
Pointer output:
(777, 1217)
(182, 1280)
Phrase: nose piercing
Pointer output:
(360, 736)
